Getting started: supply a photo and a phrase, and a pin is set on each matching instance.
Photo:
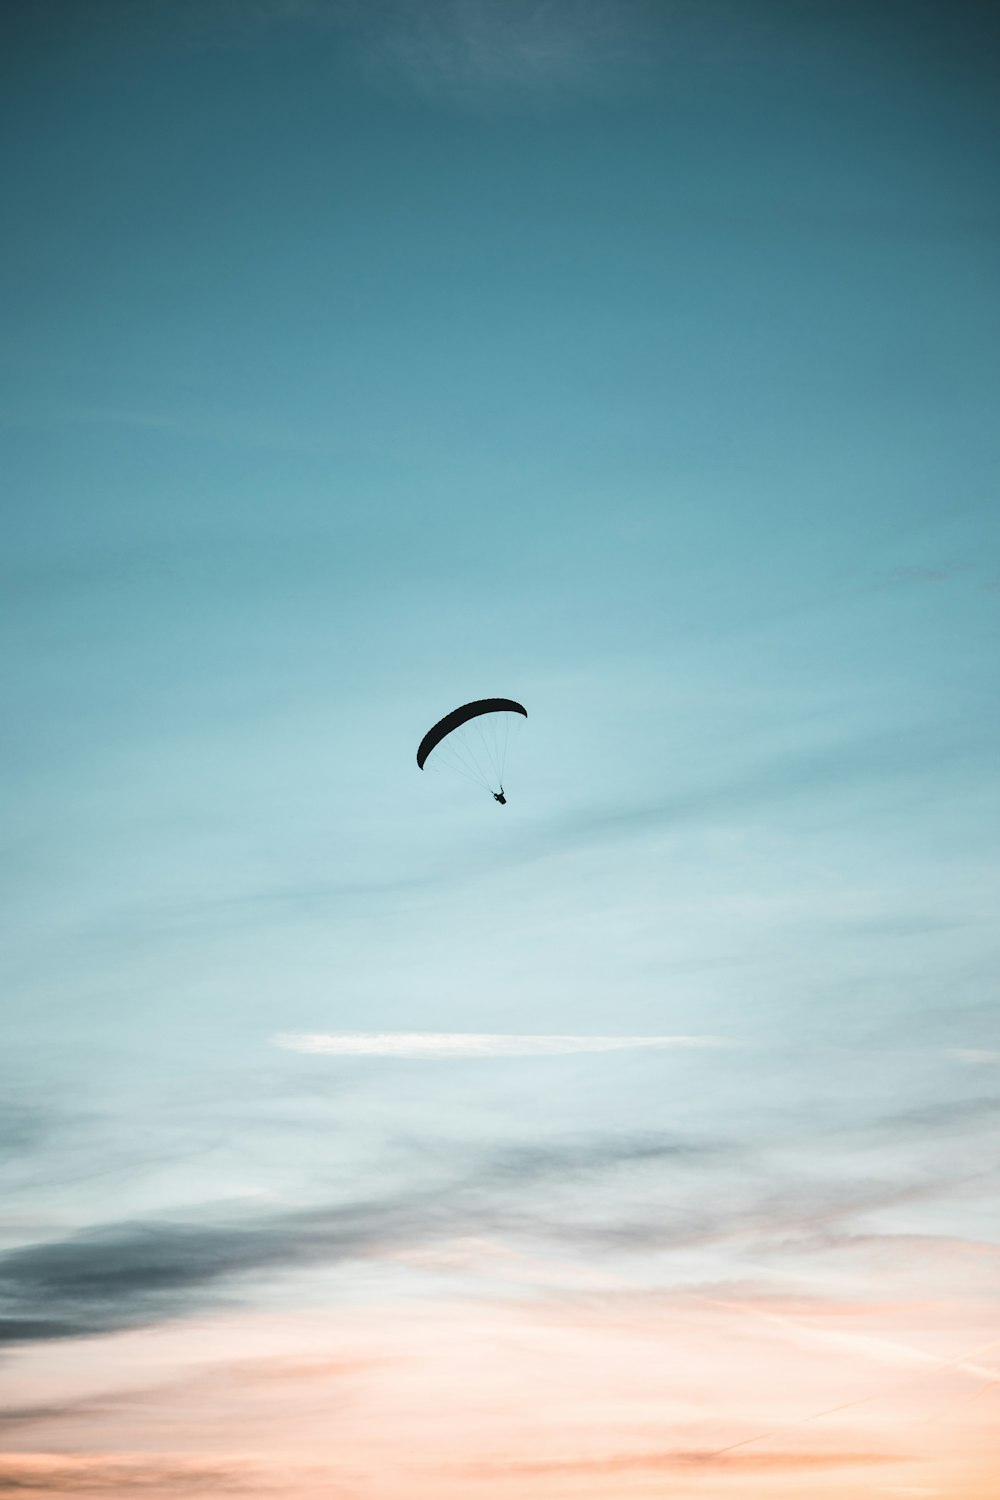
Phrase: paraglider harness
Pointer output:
(499, 797)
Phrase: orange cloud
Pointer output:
(112, 1475)
(774, 1462)
(600, 1394)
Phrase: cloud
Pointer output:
(476, 51)
(241, 1377)
(50, 1411)
(22, 1128)
(924, 575)
(913, 1491)
(681, 1459)
(524, 1163)
(261, 431)
(470, 53)
(795, 1218)
(128, 1275)
(942, 1115)
(909, 1248)
(430, 1045)
(131, 1274)
(98, 1474)
(978, 1057)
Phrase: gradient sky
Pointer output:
(358, 1137)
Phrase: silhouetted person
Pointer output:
(499, 797)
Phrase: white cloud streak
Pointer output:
(459, 1044)
(976, 1056)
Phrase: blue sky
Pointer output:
(637, 361)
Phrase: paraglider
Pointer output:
(473, 741)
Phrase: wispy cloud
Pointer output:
(524, 1164)
(978, 1056)
(943, 1114)
(22, 1127)
(466, 52)
(130, 1275)
(913, 1491)
(469, 51)
(214, 426)
(660, 1192)
(674, 1459)
(432, 1045)
(245, 1378)
(924, 575)
(104, 1474)
(133, 1274)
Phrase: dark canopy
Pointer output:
(462, 715)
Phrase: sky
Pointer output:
(360, 1137)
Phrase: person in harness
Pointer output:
(499, 797)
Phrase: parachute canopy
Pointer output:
(473, 740)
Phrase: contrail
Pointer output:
(961, 1363)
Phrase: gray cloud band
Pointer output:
(129, 1275)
